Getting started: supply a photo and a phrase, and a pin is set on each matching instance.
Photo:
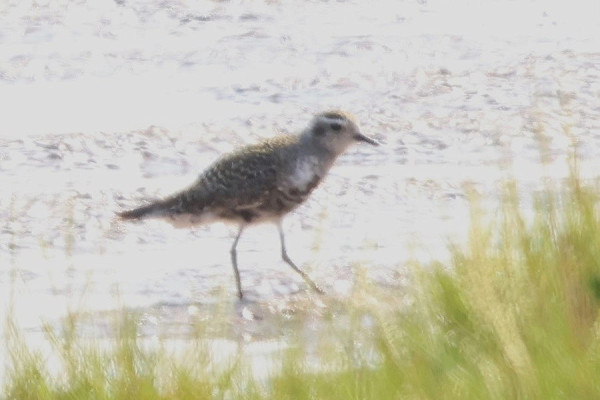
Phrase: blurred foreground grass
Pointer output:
(514, 315)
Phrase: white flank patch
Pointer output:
(305, 172)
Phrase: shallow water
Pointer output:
(108, 104)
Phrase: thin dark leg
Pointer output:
(236, 272)
(287, 259)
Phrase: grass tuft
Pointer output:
(513, 315)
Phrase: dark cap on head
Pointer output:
(336, 114)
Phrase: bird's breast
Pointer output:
(304, 177)
(306, 174)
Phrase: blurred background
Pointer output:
(106, 104)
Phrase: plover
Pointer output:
(260, 183)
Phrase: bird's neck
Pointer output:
(309, 145)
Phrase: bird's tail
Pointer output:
(156, 209)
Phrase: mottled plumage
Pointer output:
(260, 182)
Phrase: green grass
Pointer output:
(514, 315)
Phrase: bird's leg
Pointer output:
(236, 272)
(287, 259)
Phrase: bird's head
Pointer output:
(336, 131)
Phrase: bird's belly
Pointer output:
(190, 220)
(272, 209)
(253, 215)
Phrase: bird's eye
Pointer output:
(336, 126)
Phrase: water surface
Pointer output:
(108, 104)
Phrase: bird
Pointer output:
(260, 182)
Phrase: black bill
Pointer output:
(362, 138)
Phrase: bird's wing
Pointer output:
(238, 181)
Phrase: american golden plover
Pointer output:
(261, 182)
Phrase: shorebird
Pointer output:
(260, 183)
